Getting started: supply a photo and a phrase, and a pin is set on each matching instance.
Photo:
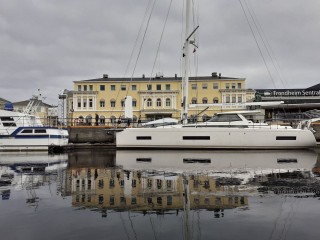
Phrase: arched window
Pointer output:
(205, 100)
(158, 102)
(134, 118)
(149, 102)
(113, 103)
(113, 119)
(89, 119)
(168, 102)
(102, 103)
(205, 117)
(194, 100)
(102, 119)
(215, 100)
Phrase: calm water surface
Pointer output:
(160, 195)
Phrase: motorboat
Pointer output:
(25, 132)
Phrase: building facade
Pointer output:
(153, 98)
(297, 103)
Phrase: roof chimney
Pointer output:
(219, 75)
(175, 76)
(105, 76)
(214, 74)
(143, 76)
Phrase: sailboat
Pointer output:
(225, 131)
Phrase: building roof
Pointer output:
(3, 100)
(25, 103)
(106, 78)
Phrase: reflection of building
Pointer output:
(153, 98)
(118, 189)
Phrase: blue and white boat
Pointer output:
(25, 132)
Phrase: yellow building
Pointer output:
(154, 98)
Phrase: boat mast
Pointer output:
(185, 81)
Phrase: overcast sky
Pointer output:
(48, 44)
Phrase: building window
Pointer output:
(233, 98)
(158, 102)
(149, 87)
(233, 86)
(84, 103)
(134, 103)
(90, 103)
(112, 87)
(227, 85)
(149, 102)
(79, 88)
(239, 99)
(227, 99)
(134, 87)
(204, 86)
(122, 102)
(158, 87)
(90, 87)
(168, 87)
(194, 101)
(102, 87)
(204, 100)
(102, 103)
(123, 88)
(84, 87)
(168, 102)
(79, 103)
(113, 119)
(239, 85)
(113, 103)
(215, 100)
(194, 86)
(215, 86)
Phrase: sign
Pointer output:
(288, 93)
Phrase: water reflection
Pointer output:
(166, 183)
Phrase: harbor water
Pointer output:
(172, 194)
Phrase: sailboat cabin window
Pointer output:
(225, 118)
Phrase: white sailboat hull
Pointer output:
(211, 138)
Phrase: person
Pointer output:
(97, 119)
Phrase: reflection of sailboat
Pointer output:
(179, 160)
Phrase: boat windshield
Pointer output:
(225, 118)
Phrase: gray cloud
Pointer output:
(49, 44)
